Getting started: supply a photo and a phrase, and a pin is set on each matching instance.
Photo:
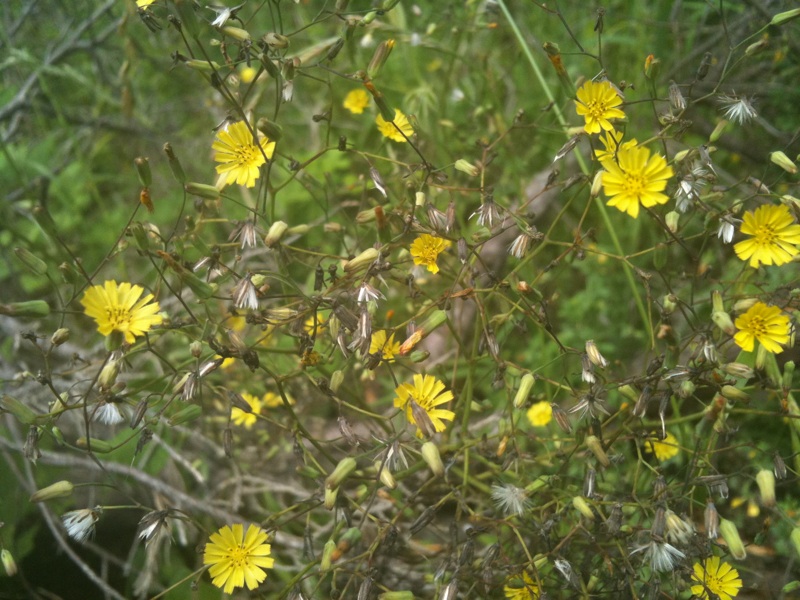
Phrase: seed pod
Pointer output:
(379, 58)
(785, 17)
(784, 162)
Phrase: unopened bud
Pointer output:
(730, 534)
(59, 489)
(404, 595)
(327, 553)
(59, 336)
(21, 411)
(718, 130)
(336, 380)
(596, 448)
(36, 265)
(330, 498)
(651, 66)
(756, 47)
(597, 184)
(29, 309)
(209, 192)
(788, 372)
(142, 165)
(785, 17)
(671, 219)
(276, 40)
(342, 471)
(9, 564)
(430, 453)
(766, 487)
(783, 161)
(385, 475)
(95, 445)
(583, 507)
(236, 33)
(363, 260)
(187, 414)
(270, 129)
(795, 539)
(275, 233)
(723, 321)
(525, 386)
(739, 370)
(467, 167)
(379, 58)
(734, 394)
(108, 376)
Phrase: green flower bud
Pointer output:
(795, 539)
(467, 167)
(405, 595)
(28, 309)
(337, 378)
(740, 370)
(8, 562)
(723, 321)
(596, 448)
(325, 559)
(209, 192)
(276, 40)
(766, 486)
(270, 129)
(734, 394)
(524, 390)
(95, 445)
(21, 411)
(342, 471)
(185, 415)
(718, 131)
(583, 507)
(783, 161)
(363, 260)
(330, 498)
(237, 33)
(788, 374)
(379, 58)
(385, 475)
(671, 219)
(597, 184)
(59, 336)
(785, 17)
(275, 233)
(59, 489)
(142, 164)
(108, 376)
(36, 265)
(430, 454)
(730, 534)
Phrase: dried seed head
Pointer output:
(711, 520)
(778, 466)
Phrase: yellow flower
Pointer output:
(237, 558)
(598, 102)
(526, 589)
(389, 129)
(248, 419)
(663, 449)
(426, 249)
(540, 414)
(719, 579)
(388, 347)
(774, 236)
(247, 75)
(612, 141)
(426, 393)
(144, 3)
(272, 400)
(763, 323)
(119, 307)
(356, 101)
(313, 326)
(240, 158)
(635, 177)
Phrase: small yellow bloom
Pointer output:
(390, 129)
(663, 449)
(523, 589)
(774, 236)
(120, 307)
(272, 400)
(240, 417)
(426, 249)
(612, 142)
(597, 102)
(635, 178)
(763, 323)
(719, 579)
(356, 101)
(540, 414)
(387, 347)
(239, 158)
(427, 393)
(247, 75)
(144, 3)
(238, 558)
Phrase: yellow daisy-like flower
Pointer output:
(663, 449)
(540, 414)
(237, 558)
(426, 393)
(774, 236)
(248, 419)
(719, 579)
(120, 307)
(240, 158)
(389, 129)
(380, 343)
(144, 3)
(612, 142)
(635, 178)
(272, 400)
(763, 323)
(356, 101)
(597, 102)
(524, 589)
(426, 249)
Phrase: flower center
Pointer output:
(634, 183)
(239, 556)
(765, 235)
(713, 583)
(247, 155)
(597, 108)
(758, 327)
(118, 316)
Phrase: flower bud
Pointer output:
(430, 453)
(327, 553)
(9, 564)
(467, 167)
(186, 414)
(597, 359)
(363, 260)
(336, 380)
(270, 129)
(671, 219)
(788, 372)
(582, 507)
(785, 17)
(330, 498)
(686, 389)
(29, 309)
(594, 445)
(95, 445)
(740, 370)
(756, 47)
(275, 233)
(59, 489)
(21, 411)
(540, 482)
(404, 595)
(342, 471)
(766, 486)
(108, 376)
(379, 58)
(142, 165)
(209, 192)
(730, 534)
(732, 393)
(276, 40)
(525, 385)
(783, 161)
(651, 66)
(59, 336)
(36, 265)
(237, 33)
(795, 539)
(723, 321)
(385, 475)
